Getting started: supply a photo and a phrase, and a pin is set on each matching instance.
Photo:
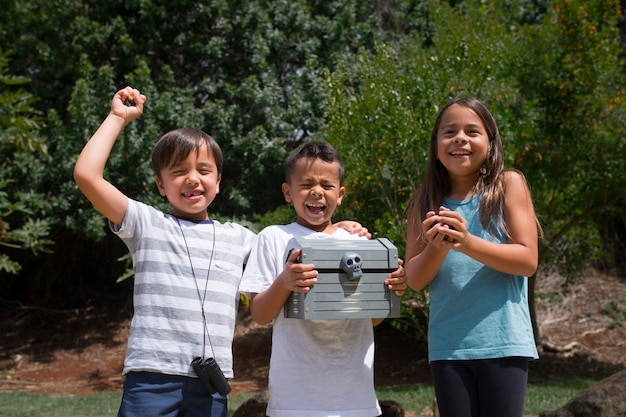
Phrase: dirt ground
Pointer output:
(81, 352)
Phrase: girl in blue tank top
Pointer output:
(472, 239)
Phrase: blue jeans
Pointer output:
(481, 388)
(149, 394)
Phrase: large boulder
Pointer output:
(606, 399)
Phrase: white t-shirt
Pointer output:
(318, 368)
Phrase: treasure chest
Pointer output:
(350, 281)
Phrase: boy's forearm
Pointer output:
(89, 171)
(265, 306)
(93, 158)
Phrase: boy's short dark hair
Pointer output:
(323, 151)
(176, 145)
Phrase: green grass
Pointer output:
(553, 394)
(19, 404)
(415, 398)
(541, 396)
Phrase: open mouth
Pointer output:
(316, 208)
(193, 194)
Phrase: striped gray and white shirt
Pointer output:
(171, 259)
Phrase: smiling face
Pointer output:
(314, 188)
(462, 143)
(191, 184)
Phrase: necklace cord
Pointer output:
(201, 297)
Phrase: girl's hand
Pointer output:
(452, 228)
(431, 226)
(128, 104)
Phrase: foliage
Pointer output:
(380, 112)
(245, 72)
(555, 88)
(381, 107)
(615, 310)
(261, 77)
(575, 141)
(251, 67)
(20, 208)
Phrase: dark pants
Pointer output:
(153, 394)
(481, 388)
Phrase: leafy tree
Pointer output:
(381, 107)
(263, 76)
(574, 144)
(21, 227)
(246, 72)
(253, 67)
(555, 88)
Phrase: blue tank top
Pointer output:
(477, 312)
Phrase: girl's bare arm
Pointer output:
(423, 259)
(520, 255)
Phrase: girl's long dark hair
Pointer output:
(489, 183)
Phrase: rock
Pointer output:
(391, 408)
(253, 407)
(606, 399)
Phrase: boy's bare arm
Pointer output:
(265, 306)
(89, 168)
(298, 277)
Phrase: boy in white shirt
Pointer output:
(318, 368)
